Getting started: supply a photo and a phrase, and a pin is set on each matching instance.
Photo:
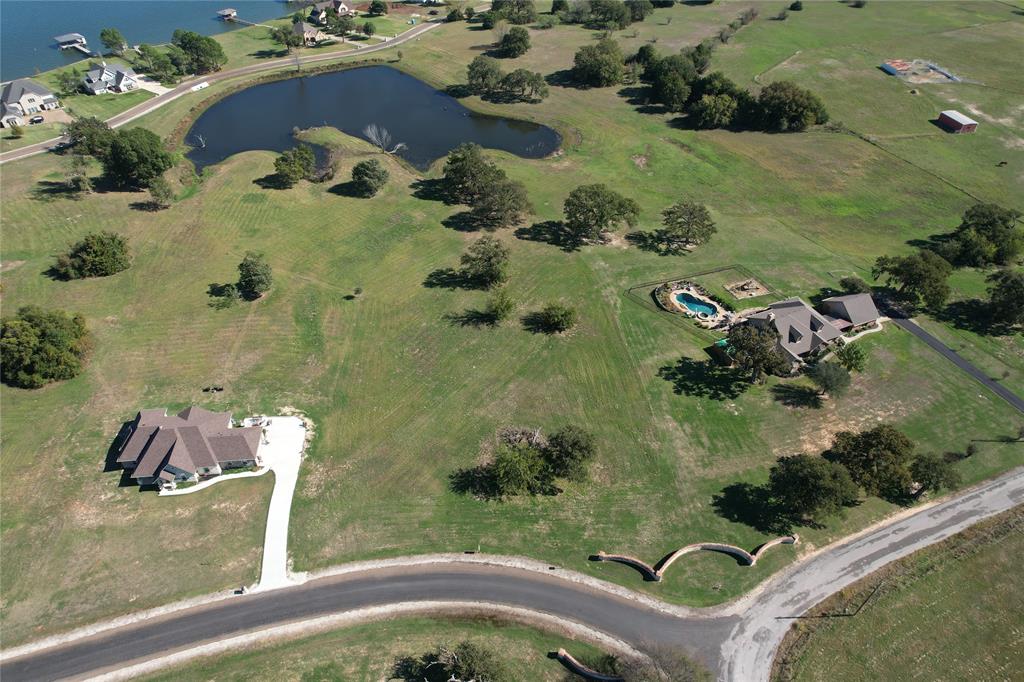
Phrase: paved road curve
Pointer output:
(954, 357)
(738, 640)
(186, 87)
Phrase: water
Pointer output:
(27, 27)
(696, 305)
(429, 122)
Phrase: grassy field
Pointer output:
(950, 612)
(367, 653)
(403, 394)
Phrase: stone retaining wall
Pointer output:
(656, 572)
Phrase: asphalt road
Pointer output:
(951, 355)
(738, 640)
(185, 87)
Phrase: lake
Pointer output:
(27, 27)
(429, 122)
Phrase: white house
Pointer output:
(102, 79)
(24, 97)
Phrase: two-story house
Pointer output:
(103, 78)
(24, 97)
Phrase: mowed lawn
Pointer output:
(950, 612)
(369, 652)
(403, 394)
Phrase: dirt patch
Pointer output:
(10, 265)
(747, 288)
(640, 160)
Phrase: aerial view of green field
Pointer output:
(536, 281)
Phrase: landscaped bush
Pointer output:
(99, 254)
(41, 346)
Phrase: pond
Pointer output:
(429, 122)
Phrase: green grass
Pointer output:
(368, 652)
(402, 395)
(30, 135)
(944, 612)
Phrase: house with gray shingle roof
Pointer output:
(24, 97)
(165, 450)
(805, 332)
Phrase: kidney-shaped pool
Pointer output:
(430, 123)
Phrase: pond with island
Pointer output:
(429, 123)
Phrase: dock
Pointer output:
(73, 41)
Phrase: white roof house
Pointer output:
(103, 78)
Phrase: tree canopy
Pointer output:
(785, 106)
(465, 661)
(468, 174)
(369, 177)
(592, 210)
(40, 346)
(988, 234)
(484, 75)
(599, 65)
(920, 277)
(755, 350)
(1006, 296)
(297, 163)
(136, 157)
(852, 356)
(830, 377)
(877, 459)
(515, 11)
(685, 224)
(287, 37)
(515, 43)
(933, 472)
(378, 7)
(486, 262)
(810, 488)
(196, 53)
(254, 276)
(89, 135)
(98, 254)
(569, 451)
(113, 40)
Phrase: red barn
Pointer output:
(955, 122)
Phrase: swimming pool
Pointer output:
(695, 305)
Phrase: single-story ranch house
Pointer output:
(102, 79)
(805, 332)
(24, 97)
(164, 450)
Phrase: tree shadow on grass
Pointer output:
(459, 91)
(429, 189)
(552, 232)
(271, 181)
(450, 278)
(972, 315)
(348, 189)
(146, 206)
(565, 79)
(471, 318)
(463, 221)
(654, 243)
(752, 506)
(536, 323)
(51, 190)
(269, 54)
(477, 481)
(704, 379)
(796, 396)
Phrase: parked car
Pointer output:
(36, 119)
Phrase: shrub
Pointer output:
(854, 285)
(569, 451)
(796, 5)
(160, 192)
(556, 318)
(547, 21)
(500, 306)
(41, 346)
(559, 6)
(17, 132)
(852, 356)
(369, 177)
(99, 254)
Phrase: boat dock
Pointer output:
(73, 41)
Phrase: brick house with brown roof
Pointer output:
(165, 450)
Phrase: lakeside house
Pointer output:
(311, 35)
(24, 97)
(103, 78)
(319, 12)
(805, 332)
(164, 450)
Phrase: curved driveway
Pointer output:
(186, 87)
(738, 639)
